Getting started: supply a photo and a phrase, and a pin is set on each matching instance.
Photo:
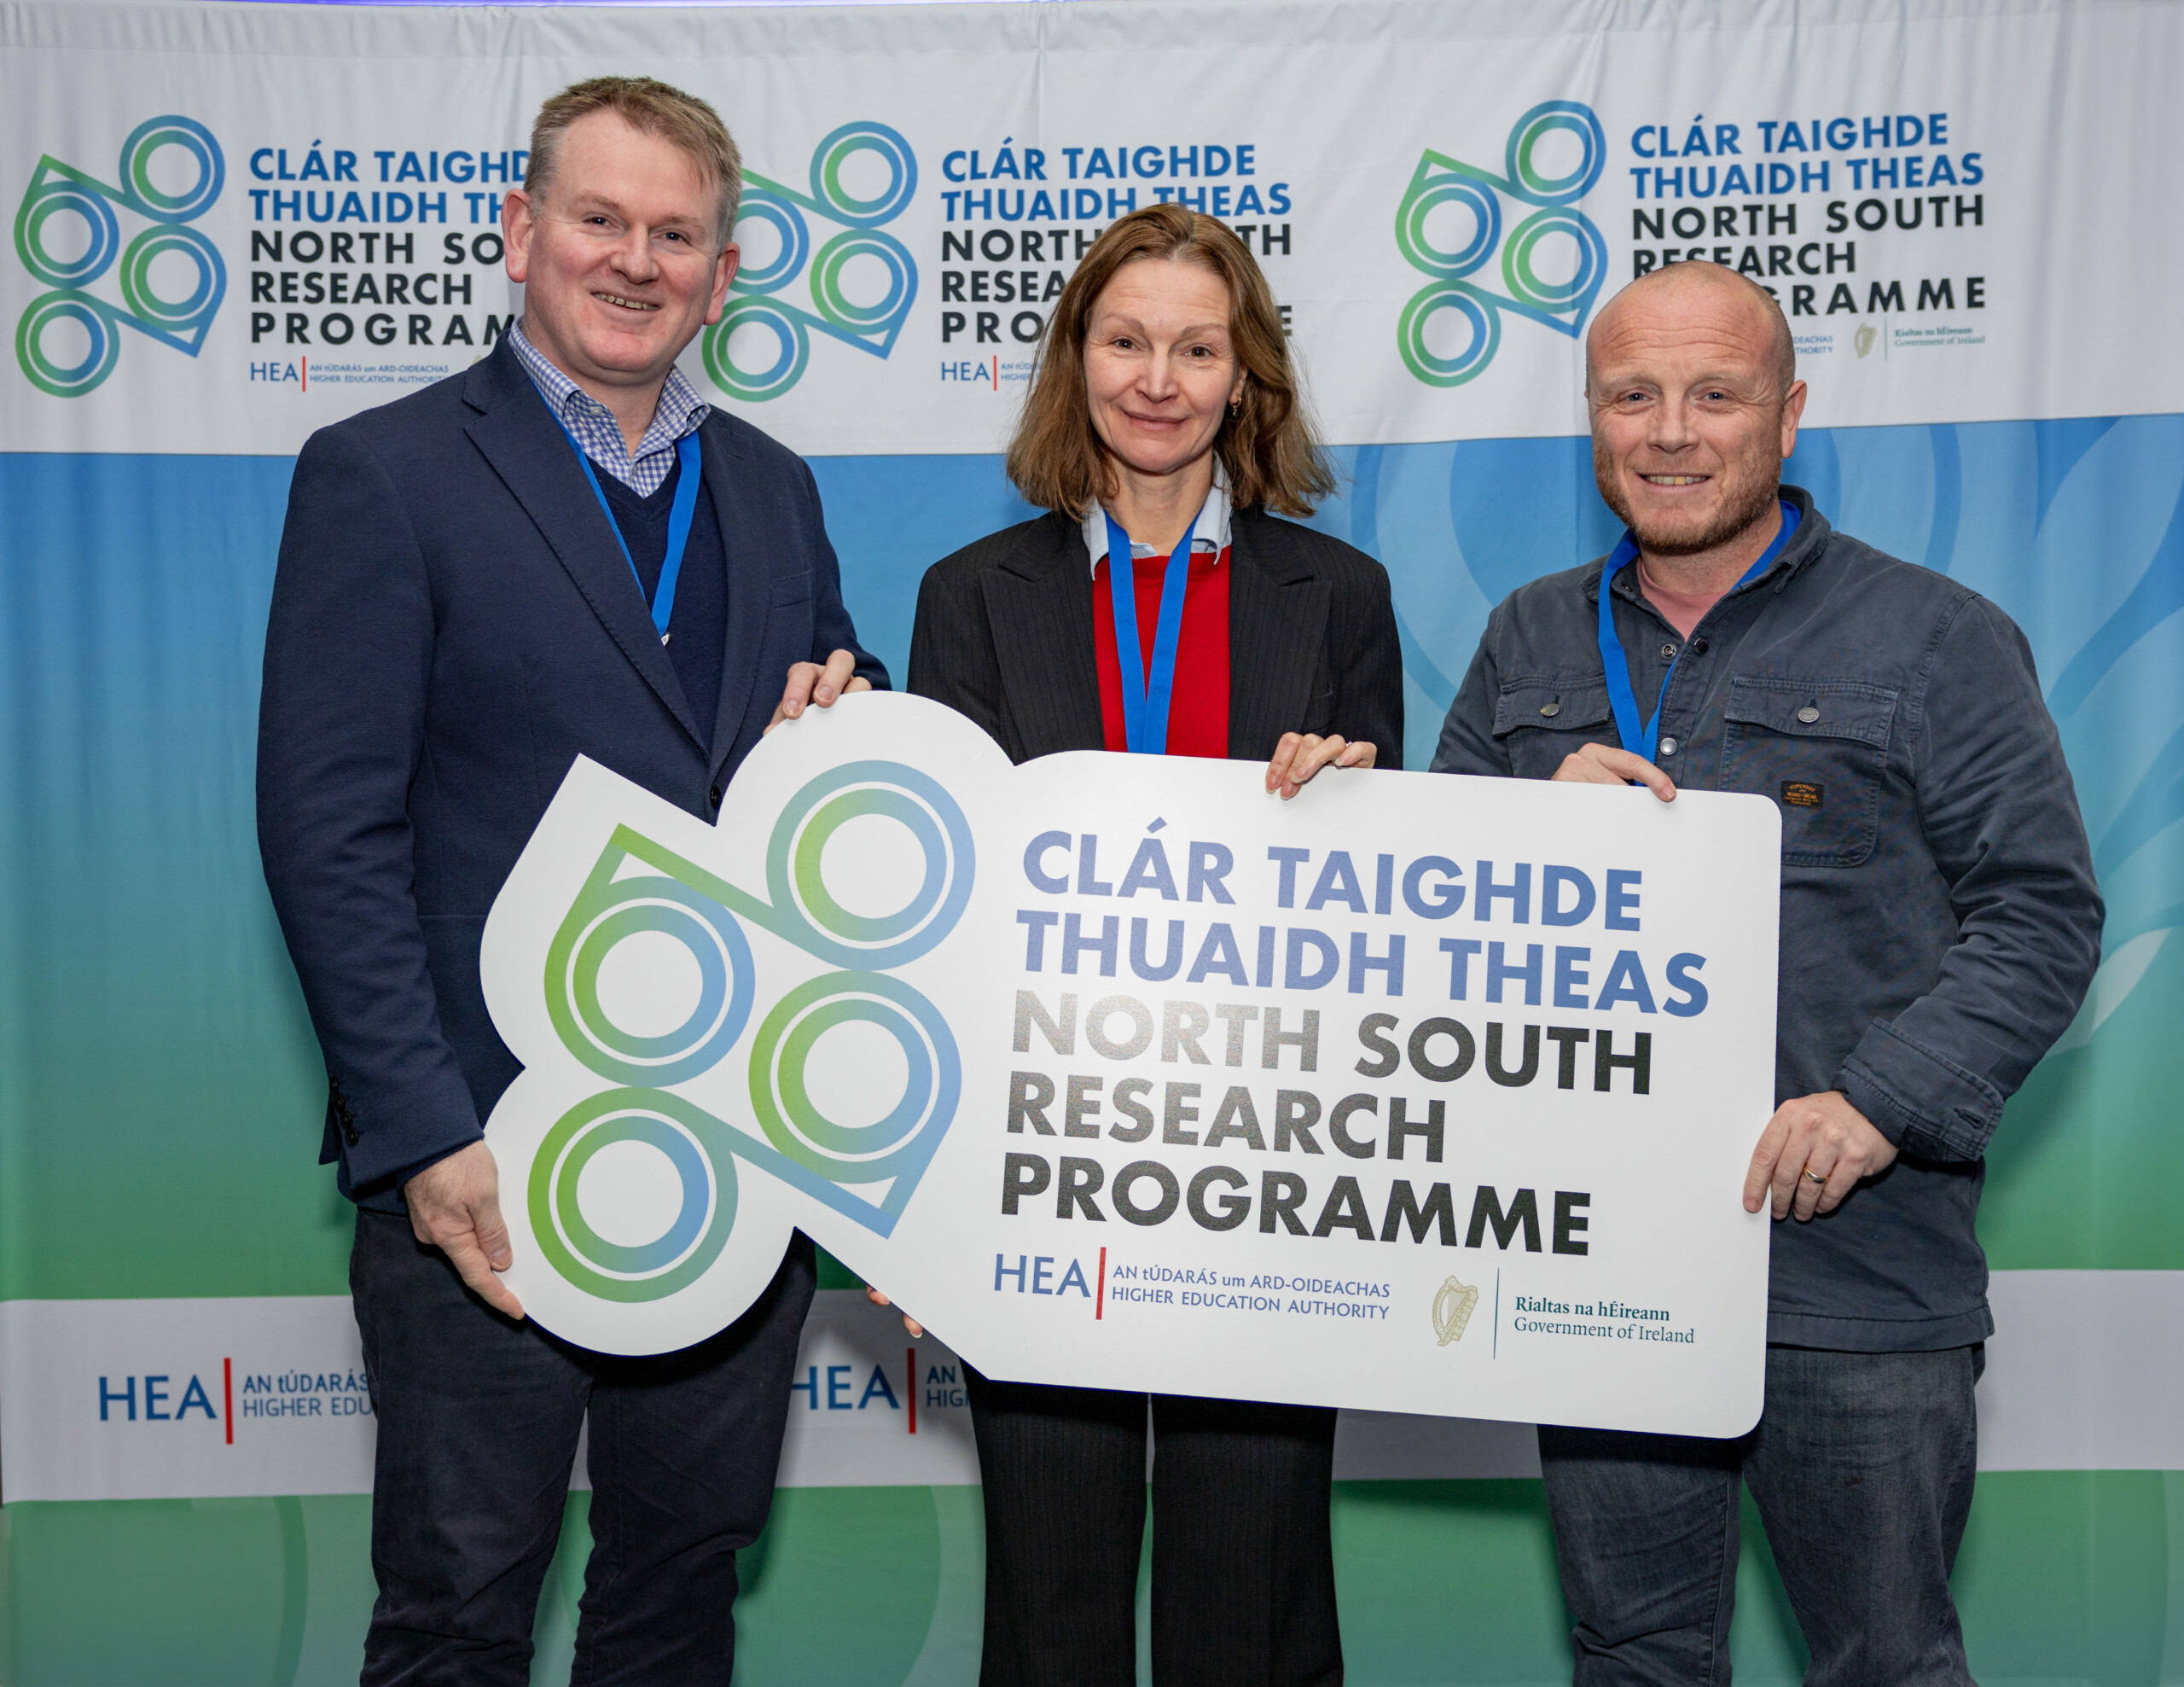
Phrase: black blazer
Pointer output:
(1004, 635)
(453, 623)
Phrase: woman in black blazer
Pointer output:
(1163, 403)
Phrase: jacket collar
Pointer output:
(1043, 629)
(755, 546)
(1277, 626)
(518, 436)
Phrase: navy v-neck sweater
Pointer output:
(697, 640)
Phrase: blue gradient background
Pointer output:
(158, 1079)
(160, 1094)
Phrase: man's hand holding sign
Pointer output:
(1816, 1148)
(455, 1203)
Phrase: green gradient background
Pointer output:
(2065, 1577)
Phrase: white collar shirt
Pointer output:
(680, 412)
(1209, 535)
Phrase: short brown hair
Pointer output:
(1269, 447)
(650, 108)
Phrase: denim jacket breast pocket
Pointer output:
(1818, 749)
(1539, 721)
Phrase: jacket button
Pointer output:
(1698, 646)
(714, 795)
(348, 1135)
(1667, 652)
(1808, 714)
(1550, 710)
(1667, 747)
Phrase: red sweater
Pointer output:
(1198, 714)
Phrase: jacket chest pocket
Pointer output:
(1818, 749)
(1539, 722)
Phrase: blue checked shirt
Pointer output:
(680, 412)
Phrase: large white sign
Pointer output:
(234, 224)
(1418, 1093)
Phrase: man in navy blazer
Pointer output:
(563, 551)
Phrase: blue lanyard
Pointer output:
(1146, 697)
(1646, 739)
(679, 517)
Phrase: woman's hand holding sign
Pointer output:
(879, 1299)
(1299, 756)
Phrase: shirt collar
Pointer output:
(1791, 550)
(1210, 534)
(679, 411)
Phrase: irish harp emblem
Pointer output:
(1452, 1310)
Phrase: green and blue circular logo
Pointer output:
(60, 195)
(704, 917)
(857, 287)
(694, 1144)
(1554, 259)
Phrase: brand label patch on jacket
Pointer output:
(1802, 793)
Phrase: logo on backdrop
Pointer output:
(60, 190)
(1546, 205)
(765, 296)
(681, 901)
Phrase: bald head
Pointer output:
(1699, 294)
(1690, 379)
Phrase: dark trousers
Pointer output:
(478, 1426)
(1862, 1466)
(1243, 1566)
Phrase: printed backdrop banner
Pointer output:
(232, 224)
(306, 224)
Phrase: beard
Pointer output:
(1745, 499)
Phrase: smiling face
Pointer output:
(621, 261)
(1691, 416)
(1158, 366)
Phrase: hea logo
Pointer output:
(637, 888)
(763, 300)
(60, 191)
(174, 1396)
(1491, 201)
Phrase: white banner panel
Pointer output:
(222, 1398)
(234, 224)
(2071, 1384)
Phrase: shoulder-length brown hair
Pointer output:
(1269, 446)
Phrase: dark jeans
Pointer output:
(1243, 1564)
(478, 1426)
(1862, 1466)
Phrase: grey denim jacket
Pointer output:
(1940, 922)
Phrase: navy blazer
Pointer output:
(453, 623)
